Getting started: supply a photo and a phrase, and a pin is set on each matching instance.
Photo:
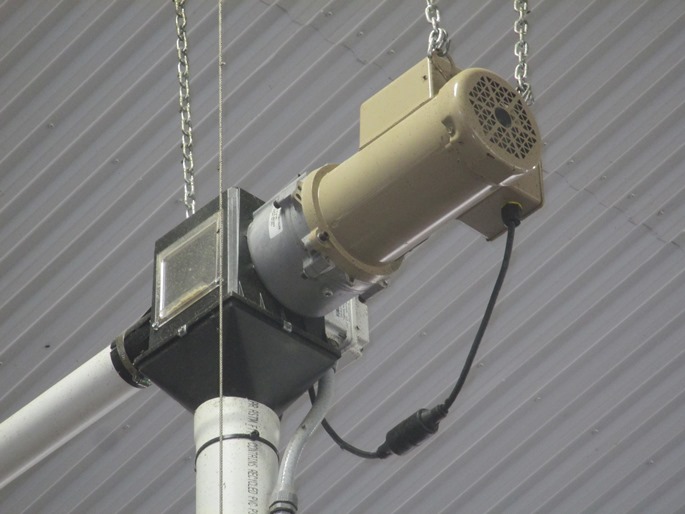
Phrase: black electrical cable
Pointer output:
(511, 214)
(339, 440)
(423, 423)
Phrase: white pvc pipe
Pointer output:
(250, 461)
(63, 411)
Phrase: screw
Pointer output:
(537, 398)
(660, 213)
(182, 330)
(328, 14)
(323, 236)
(51, 125)
(632, 195)
(326, 292)
(391, 51)
(360, 33)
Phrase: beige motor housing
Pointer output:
(436, 144)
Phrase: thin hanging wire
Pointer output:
(438, 39)
(221, 262)
(184, 104)
(521, 51)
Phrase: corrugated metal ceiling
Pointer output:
(577, 402)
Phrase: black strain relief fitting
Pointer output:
(439, 412)
(512, 212)
(412, 431)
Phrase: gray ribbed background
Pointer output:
(577, 401)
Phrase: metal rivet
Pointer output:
(480, 364)
(391, 51)
(360, 33)
(595, 430)
(632, 195)
(537, 398)
(51, 125)
(326, 292)
(650, 461)
(603, 177)
(571, 161)
(328, 14)
(660, 213)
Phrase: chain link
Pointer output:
(521, 51)
(438, 39)
(184, 104)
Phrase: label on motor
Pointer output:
(275, 222)
(344, 313)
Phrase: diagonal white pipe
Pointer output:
(60, 413)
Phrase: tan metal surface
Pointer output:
(464, 151)
(403, 96)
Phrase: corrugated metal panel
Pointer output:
(576, 402)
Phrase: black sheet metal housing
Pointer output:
(270, 354)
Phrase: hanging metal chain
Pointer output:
(438, 39)
(184, 103)
(521, 51)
